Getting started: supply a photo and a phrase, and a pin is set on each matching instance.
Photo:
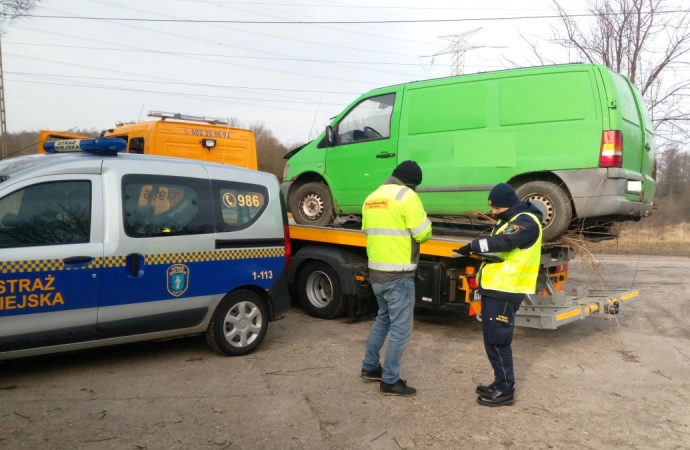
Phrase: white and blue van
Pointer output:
(100, 248)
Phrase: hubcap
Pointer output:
(319, 289)
(243, 324)
(311, 206)
(548, 207)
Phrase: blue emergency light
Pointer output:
(94, 145)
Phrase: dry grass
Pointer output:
(647, 240)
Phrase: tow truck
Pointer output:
(328, 275)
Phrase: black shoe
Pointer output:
(398, 388)
(484, 391)
(372, 375)
(496, 398)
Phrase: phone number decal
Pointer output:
(207, 133)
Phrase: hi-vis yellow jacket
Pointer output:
(520, 267)
(395, 223)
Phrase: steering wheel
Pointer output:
(370, 131)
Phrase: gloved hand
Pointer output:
(465, 250)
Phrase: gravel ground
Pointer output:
(599, 383)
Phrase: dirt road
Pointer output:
(599, 383)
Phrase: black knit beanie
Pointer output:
(503, 196)
(409, 173)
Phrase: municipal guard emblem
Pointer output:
(512, 228)
(178, 279)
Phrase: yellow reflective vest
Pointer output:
(395, 223)
(519, 269)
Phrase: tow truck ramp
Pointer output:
(553, 309)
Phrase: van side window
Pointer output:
(157, 205)
(238, 204)
(136, 145)
(46, 214)
(369, 120)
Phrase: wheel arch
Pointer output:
(345, 262)
(307, 177)
(523, 178)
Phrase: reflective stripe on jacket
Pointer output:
(395, 223)
(519, 269)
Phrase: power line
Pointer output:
(331, 22)
(232, 56)
(176, 94)
(182, 83)
(214, 2)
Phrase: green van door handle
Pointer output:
(385, 155)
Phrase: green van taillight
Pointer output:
(611, 149)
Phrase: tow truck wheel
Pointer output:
(554, 204)
(312, 204)
(238, 325)
(320, 292)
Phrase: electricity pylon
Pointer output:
(458, 47)
(3, 123)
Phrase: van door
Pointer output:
(365, 150)
(51, 245)
(159, 235)
(627, 115)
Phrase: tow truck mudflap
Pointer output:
(548, 312)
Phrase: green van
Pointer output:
(575, 139)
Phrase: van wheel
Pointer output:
(312, 204)
(238, 325)
(319, 291)
(553, 202)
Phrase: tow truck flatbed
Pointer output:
(329, 275)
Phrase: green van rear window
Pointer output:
(553, 97)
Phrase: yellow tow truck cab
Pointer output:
(179, 135)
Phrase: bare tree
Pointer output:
(12, 9)
(648, 42)
(269, 149)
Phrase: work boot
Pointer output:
(398, 388)
(372, 375)
(485, 390)
(496, 398)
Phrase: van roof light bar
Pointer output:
(168, 115)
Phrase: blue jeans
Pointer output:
(396, 313)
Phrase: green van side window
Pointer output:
(367, 121)
(543, 98)
(458, 106)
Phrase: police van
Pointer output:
(100, 248)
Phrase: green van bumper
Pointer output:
(613, 193)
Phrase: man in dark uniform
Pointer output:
(516, 237)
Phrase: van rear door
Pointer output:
(625, 116)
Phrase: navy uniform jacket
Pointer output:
(524, 234)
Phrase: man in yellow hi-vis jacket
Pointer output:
(517, 239)
(395, 223)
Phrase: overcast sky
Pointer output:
(74, 73)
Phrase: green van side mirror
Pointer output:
(330, 136)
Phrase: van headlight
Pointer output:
(285, 171)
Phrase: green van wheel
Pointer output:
(312, 204)
(553, 202)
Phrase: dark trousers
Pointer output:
(498, 321)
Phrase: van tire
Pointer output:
(242, 313)
(312, 204)
(555, 201)
(319, 291)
